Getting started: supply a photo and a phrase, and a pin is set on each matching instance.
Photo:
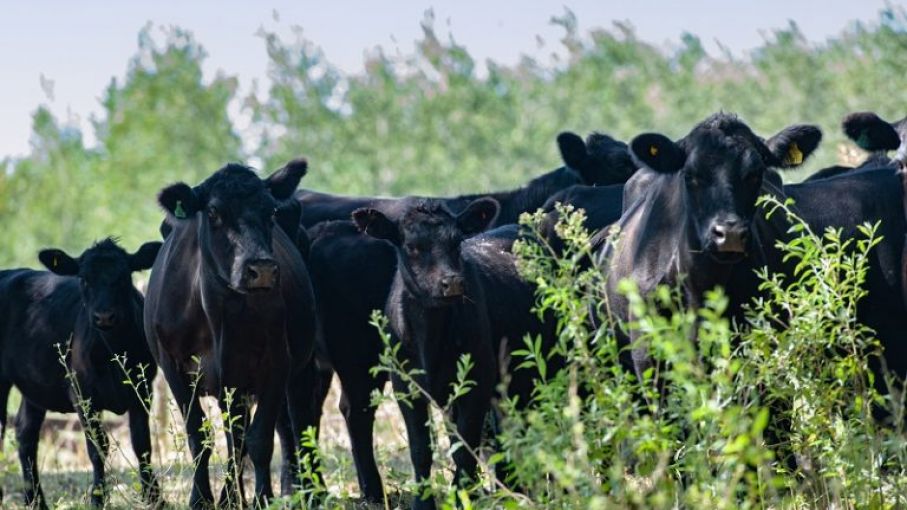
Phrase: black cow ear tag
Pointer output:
(653, 150)
(178, 211)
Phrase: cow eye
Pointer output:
(214, 216)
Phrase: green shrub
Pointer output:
(738, 402)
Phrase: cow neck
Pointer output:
(428, 338)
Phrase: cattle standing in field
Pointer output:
(352, 276)
(436, 311)
(72, 340)
(230, 313)
(694, 221)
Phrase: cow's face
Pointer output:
(236, 213)
(105, 279)
(428, 238)
(721, 166)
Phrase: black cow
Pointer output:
(352, 276)
(873, 195)
(453, 295)
(230, 303)
(599, 161)
(70, 340)
(694, 223)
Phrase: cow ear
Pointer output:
(573, 149)
(284, 182)
(179, 200)
(478, 215)
(870, 132)
(58, 262)
(657, 152)
(793, 144)
(374, 223)
(144, 257)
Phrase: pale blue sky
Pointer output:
(80, 45)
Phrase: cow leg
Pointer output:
(306, 392)
(96, 443)
(357, 410)
(188, 401)
(415, 416)
(260, 439)
(28, 430)
(232, 494)
(140, 436)
(289, 469)
(4, 396)
(470, 420)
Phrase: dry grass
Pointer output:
(66, 471)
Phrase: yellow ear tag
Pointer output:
(653, 151)
(55, 261)
(794, 156)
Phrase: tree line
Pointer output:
(426, 122)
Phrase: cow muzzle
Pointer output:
(452, 286)
(104, 320)
(260, 274)
(729, 237)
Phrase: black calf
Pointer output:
(87, 311)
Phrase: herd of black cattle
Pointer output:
(260, 293)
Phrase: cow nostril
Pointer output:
(104, 318)
(719, 232)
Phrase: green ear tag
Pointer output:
(178, 210)
(863, 140)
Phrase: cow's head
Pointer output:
(427, 237)
(600, 160)
(874, 134)
(236, 213)
(105, 278)
(721, 164)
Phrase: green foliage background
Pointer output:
(425, 122)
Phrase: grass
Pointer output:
(66, 471)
